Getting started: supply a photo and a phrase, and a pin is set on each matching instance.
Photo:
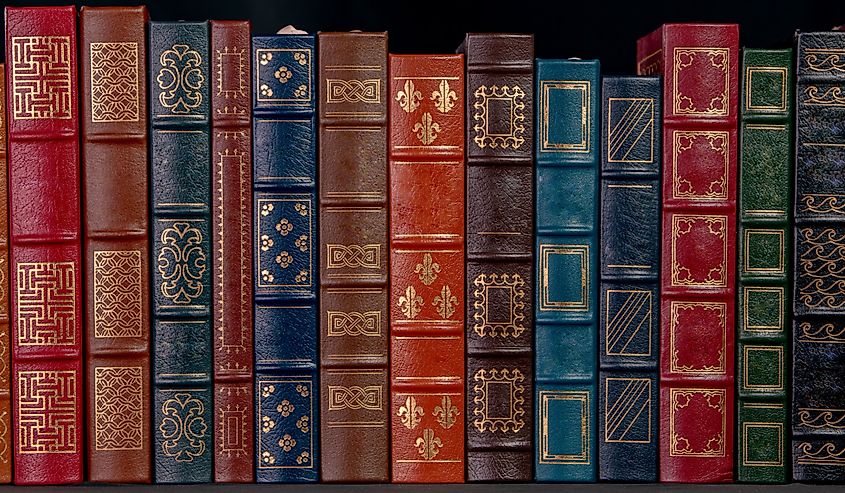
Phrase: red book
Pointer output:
(46, 264)
(427, 267)
(5, 363)
(698, 63)
(232, 235)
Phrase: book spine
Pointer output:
(765, 244)
(285, 225)
(46, 248)
(5, 360)
(427, 267)
(499, 268)
(629, 318)
(818, 372)
(353, 255)
(115, 190)
(231, 196)
(181, 217)
(698, 274)
(567, 269)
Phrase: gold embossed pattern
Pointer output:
(47, 412)
(115, 95)
(117, 294)
(46, 303)
(40, 69)
(118, 408)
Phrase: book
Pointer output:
(285, 263)
(5, 361)
(566, 334)
(629, 317)
(231, 196)
(45, 243)
(699, 65)
(426, 162)
(181, 278)
(353, 251)
(499, 261)
(765, 244)
(115, 170)
(818, 375)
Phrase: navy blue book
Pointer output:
(566, 259)
(181, 273)
(629, 318)
(285, 206)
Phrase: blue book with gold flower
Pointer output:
(285, 205)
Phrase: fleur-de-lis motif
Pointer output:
(284, 227)
(285, 408)
(266, 276)
(183, 428)
(181, 263)
(301, 91)
(284, 259)
(410, 302)
(410, 413)
(302, 243)
(301, 277)
(302, 209)
(427, 270)
(445, 413)
(428, 445)
(266, 243)
(302, 423)
(427, 129)
(287, 442)
(445, 302)
(266, 91)
(303, 390)
(265, 58)
(266, 209)
(267, 424)
(409, 98)
(282, 74)
(444, 98)
(180, 79)
(268, 458)
(303, 458)
(300, 57)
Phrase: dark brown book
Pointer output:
(5, 364)
(231, 193)
(115, 185)
(353, 257)
(499, 271)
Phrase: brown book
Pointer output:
(5, 364)
(115, 170)
(231, 156)
(353, 257)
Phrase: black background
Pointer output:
(602, 29)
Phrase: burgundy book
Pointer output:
(231, 157)
(45, 243)
(115, 168)
(5, 363)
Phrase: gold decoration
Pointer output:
(833, 419)
(117, 294)
(353, 91)
(303, 390)
(301, 208)
(114, 82)
(823, 203)
(301, 277)
(183, 427)
(822, 334)
(485, 322)
(445, 302)
(354, 323)
(282, 74)
(821, 268)
(181, 263)
(302, 243)
(409, 98)
(267, 458)
(180, 79)
(267, 424)
(444, 98)
(716, 226)
(353, 256)
(680, 446)
(40, 77)
(285, 408)
(832, 96)
(682, 187)
(826, 454)
(410, 413)
(515, 117)
(445, 413)
(301, 58)
(47, 407)
(824, 60)
(284, 259)
(118, 408)
(301, 91)
(427, 270)
(45, 303)
(284, 226)
(410, 303)
(427, 129)
(303, 424)
(303, 458)
(718, 58)
(485, 418)
(266, 209)
(355, 397)
(428, 445)
(287, 442)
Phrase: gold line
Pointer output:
(647, 187)
(402, 77)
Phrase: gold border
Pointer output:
(650, 317)
(700, 285)
(775, 349)
(649, 124)
(649, 406)
(583, 397)
(781, 261)
(752, 424)
(723, 413)
(582, 86)
(695, 134)
(749, 72)
(762, 328)
(676, 71)
(583, 251)
(721, 369)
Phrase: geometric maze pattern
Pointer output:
(40, 72)
(46, 303)
(46, 403)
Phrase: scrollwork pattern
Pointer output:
(180, 79)
(821, 268)
(181, 263)
(183, 428)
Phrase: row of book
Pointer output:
(298, 258)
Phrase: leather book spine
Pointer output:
(115, 171)
(5, 361)
(567, 215)
(499, 266)
(355, 424)
(231, 198)
(765, 244)
(699, 64)
(629, 318)
(818, 369)
(286, 390)
(427, 268)
(182, 256)
(46, 244)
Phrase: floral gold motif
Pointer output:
(445, 413)
(282, 74)
(287, 442)
(303, 424)
(285, 408)
(303, 458)
(181, 263)
(410, 413)
(428, 445)
(444, 97)
(302, 243)
(183, 427)
(445, 302)
(303, 390)
(409, 98)
(284, 227)
(427, 270)
(267, 424)
(180, 79)
(411, 303)
(427, 129)
(284, 259)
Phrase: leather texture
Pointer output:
(499, 231)
(629, 318)
(182, 276)
(285, 265)
(427, 267)
(231, 196)
(353, 257)
(5, 362)
(115, 169)
(765, 244)
(699, 64)
(567, 181)
(818, 364)
(46, 246)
